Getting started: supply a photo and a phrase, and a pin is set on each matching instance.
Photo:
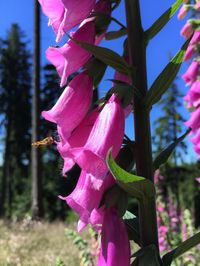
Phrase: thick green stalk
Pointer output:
(137, 54)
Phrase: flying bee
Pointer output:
(46, 141)
(55, 46)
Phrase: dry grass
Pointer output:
(36, 244)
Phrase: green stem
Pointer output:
(137, 55)
(118, 22)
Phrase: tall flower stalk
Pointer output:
(137, 54)
(113, 167)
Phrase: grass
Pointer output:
(36, 244)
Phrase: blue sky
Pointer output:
(164, 44)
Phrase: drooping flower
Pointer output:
(189, 52)
(115, 247)
(191, 74)
(198, 179)
(193, 95)
(101, 7)
(196, 139)
(70, 57)
(77, 139)
(72, 106)
(194, 121)
(187, 30)
(85, 198)
(65, 14)
(109, 123)
(197, 6)
(182, 12)
(196, 38)
(191, 47)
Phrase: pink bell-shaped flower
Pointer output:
(70, 57)
(196, 38)
(193, 95)
(197, 149)
(72, 106)
(191, 74)
(65, 14)
(85, 198)
(197, 179)
(77, 139)
(187, 30)
(197, 6)
(183, 12)
(196, 138)
(189, 52)
(194, 121)
(107, 132)
(115, 247)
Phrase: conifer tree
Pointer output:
(168, 127)
(15, 86)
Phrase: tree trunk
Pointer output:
(37, 206)
(6, 178)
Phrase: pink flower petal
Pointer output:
(71, 57)
(110, 122)
(72, 106)
(115, 248)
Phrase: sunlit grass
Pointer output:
(35, 244)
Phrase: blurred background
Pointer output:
(30, 178)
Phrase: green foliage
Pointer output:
(111, 35)
(169, 126)
(147, 256)
(165, 78)
(86, 256)
(162, 20)
(132, 226)
(96, 70)
(136, 186)
(125, 92)
(59, 262)
(181, 249)
(107, 56)
(163, 157)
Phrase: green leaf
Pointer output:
(181, 249)
(137, 186)
(126, 156)
(118, 198)
(102, 22)
(126, 91)
(107, 56)
(165, 79)
(148, 256)
(96, 70)
(165, 154)
(162, 21)
(132, 226)
(111, 35)
(115, 197)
